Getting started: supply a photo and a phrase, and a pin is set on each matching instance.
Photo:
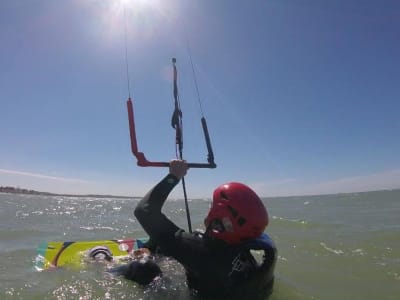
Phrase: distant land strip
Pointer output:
(17, 190)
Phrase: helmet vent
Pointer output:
(241, 221)
(233, 211)
(223, 196)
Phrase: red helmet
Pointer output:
(241, 212)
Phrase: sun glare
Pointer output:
(140, 17)
(111, 23)
(137, 4)
(134, 2)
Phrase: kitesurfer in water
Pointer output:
(218, 262)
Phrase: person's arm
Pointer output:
(148, 211)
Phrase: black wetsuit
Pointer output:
(213, 268)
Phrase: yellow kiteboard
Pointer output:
(52, 255)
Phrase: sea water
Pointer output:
(344, 246)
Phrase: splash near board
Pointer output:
(51, 255)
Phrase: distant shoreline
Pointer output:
(21, 191)
(17, 190)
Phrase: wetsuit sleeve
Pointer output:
(148, 211)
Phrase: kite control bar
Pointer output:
(141, 158)
(176, 123)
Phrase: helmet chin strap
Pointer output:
(216, 226)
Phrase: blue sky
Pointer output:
(301, 97)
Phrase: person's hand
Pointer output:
(178, 168)
(140, 253)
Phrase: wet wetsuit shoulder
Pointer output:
(173, 240)
(148, 211)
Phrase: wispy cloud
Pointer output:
(389, 179)
(272, 183)
(274, 187)
(36, 175)
(384, 180)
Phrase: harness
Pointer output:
(245, 263)
(263, 242)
